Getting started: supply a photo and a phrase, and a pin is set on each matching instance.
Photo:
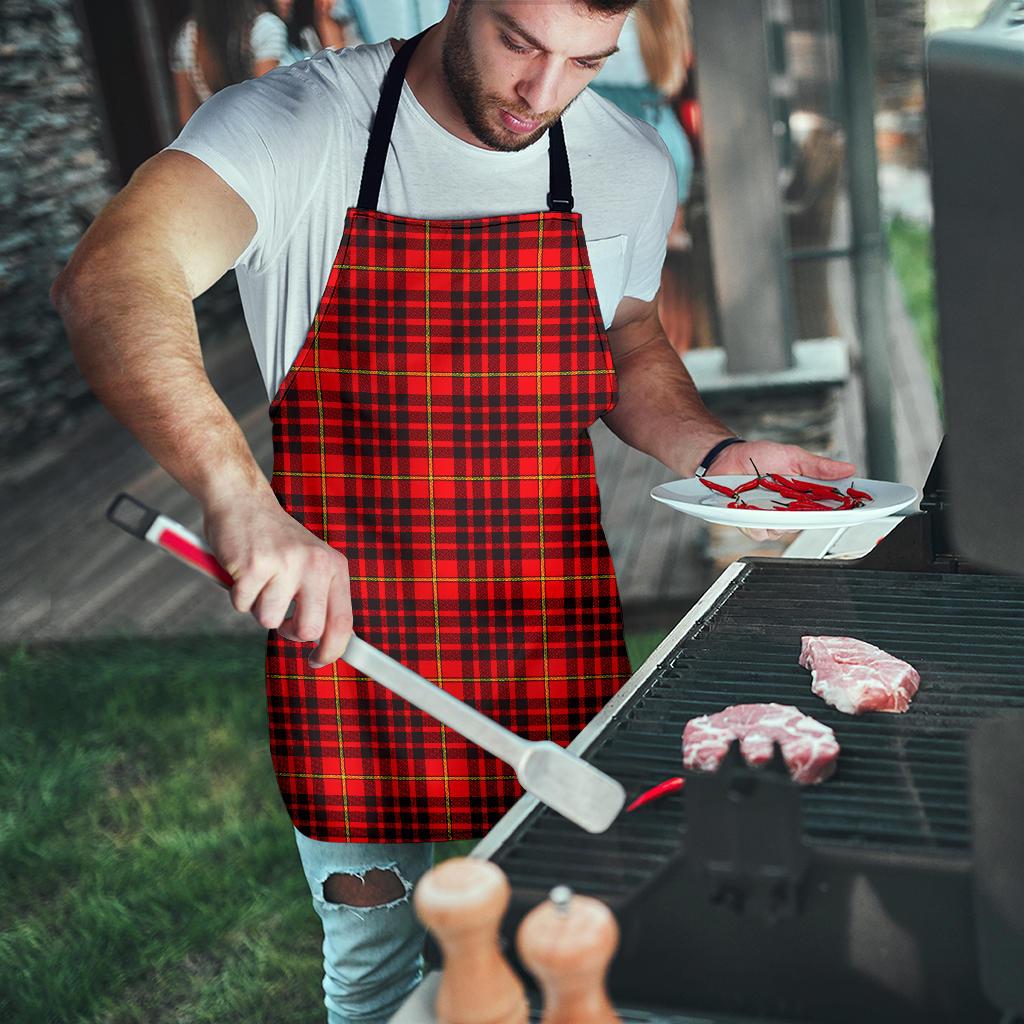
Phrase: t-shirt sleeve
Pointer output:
(269, 140)
(652, 238)
(269, 38)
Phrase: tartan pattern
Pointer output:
(434, 429)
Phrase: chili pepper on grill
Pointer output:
(660, 790)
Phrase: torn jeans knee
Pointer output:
(364, 890)
(371, 960)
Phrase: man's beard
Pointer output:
(466, 86)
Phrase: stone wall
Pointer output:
(54, 178)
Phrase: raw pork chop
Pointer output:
(855, 677)
(808, 747)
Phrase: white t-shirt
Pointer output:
(292, 144)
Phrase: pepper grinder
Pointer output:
(462, 902)
(567, 943)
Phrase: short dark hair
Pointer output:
(608, 7)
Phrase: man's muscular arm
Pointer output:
(660, 412)
(126, 301)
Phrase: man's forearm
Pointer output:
(660, 411)
(133, 334)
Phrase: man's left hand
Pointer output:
(771, 457)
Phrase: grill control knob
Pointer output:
(462, 902)
(567, 943)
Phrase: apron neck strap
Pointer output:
(383, 122)
(560, 186)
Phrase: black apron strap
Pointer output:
(559, 186)
(383, 122)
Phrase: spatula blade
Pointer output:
(571, 786)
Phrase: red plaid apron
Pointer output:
(434, 429)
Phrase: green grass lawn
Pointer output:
(910, 248)
(149, 872)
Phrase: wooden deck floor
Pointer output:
(68, 573)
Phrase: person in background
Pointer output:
(223, 42)
(649, 72)
(313, 25)
(372, 21)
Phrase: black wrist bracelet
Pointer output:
(705, 463)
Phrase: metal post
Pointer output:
(867, 241)
(744, 202)
(154, 63)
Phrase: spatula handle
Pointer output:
(146, 523)
(449, 710)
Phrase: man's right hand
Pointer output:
(274, 560)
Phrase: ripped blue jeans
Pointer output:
(373, 956)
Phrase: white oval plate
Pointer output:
(693, 498)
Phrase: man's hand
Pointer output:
(274, 560)
(771, 457)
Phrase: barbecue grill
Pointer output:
(895, 890)
(746, 896)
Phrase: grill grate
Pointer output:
(901, 785)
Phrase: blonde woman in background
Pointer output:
(643, 79)
(221, 43)
(648, 73)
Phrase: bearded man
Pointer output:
(449, 256)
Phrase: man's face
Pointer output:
(513, 66)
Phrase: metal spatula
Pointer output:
(567, 784)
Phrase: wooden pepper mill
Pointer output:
(462, 901)
(567, 943)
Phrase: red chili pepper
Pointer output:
(717, 487)
(806, 505)
(668, 786)
(809, 487)
(862, 495)
(788, 492)
(750, 485)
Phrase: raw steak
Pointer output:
(808, 747)
(855, 677)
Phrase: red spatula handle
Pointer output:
(147, 524)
